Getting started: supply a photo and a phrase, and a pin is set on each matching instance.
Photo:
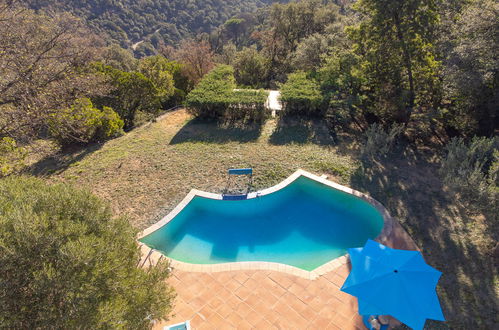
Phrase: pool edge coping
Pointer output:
(154, 256)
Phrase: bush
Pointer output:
(83, 123)
(301, 95)
(215, 97)
(471, 170)
(68, 264)
(250, 67)
(210, 97)
(379, 142)
(131, 92)
(11, 156)
(247, 105)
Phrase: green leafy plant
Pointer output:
(67, 263)
(301, 95)
(11, 156)
(380, 142)
(471, 170)
(131, 92)
(216, 97)
(83, 123)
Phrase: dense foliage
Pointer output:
(250, 66)
(83, 123)
(42, 69)
(399, 34)
(215, 97)
(472, 170)
(67, 263)
(153, 22)
(471, 78)
(12, 156)
(379, 142)
(301, 95)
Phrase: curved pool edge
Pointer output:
(154, 256)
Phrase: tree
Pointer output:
(471, 68)
(43, 63)
(160, 71)
(288, 25)
(83, 123)
(396, 43)
(250, 67)
(310, 52)
(196, 58)
(68, 263)
(132, 92)
(119, 58)
(234, 27)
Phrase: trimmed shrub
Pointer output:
(211, 97)
(67, 263)
(301, 95)
(247, 105)
(83, 123)
(216, 97)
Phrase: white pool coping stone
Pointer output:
(152, 257)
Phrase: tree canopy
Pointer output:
(68, 263)
(157, 22)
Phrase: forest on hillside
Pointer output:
(384, 77)
(153, 22)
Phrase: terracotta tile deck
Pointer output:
(265, 299)
(261, 299)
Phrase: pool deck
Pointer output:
(252, 295)
(265, 299)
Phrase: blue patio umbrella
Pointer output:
(394, 282)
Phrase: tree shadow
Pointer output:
(60, 161)
(297, 130)
(407, 183)
(201, 130)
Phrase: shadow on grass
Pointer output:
(300, 131)
(408, 185)
(201, 130)
(59, 162)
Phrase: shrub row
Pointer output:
(216, 97)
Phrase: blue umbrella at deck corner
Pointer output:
(394, 282)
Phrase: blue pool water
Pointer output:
(305, 225)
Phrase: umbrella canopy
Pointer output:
(394, 282)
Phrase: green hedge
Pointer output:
(301, 95)
(248, 105)
(215, 97)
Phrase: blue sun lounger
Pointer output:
(238, 171)
(179, 326)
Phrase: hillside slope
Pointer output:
(155, 21)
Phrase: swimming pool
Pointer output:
(304, 223)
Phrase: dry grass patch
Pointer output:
(145, 173)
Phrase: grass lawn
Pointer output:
(145, 173)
